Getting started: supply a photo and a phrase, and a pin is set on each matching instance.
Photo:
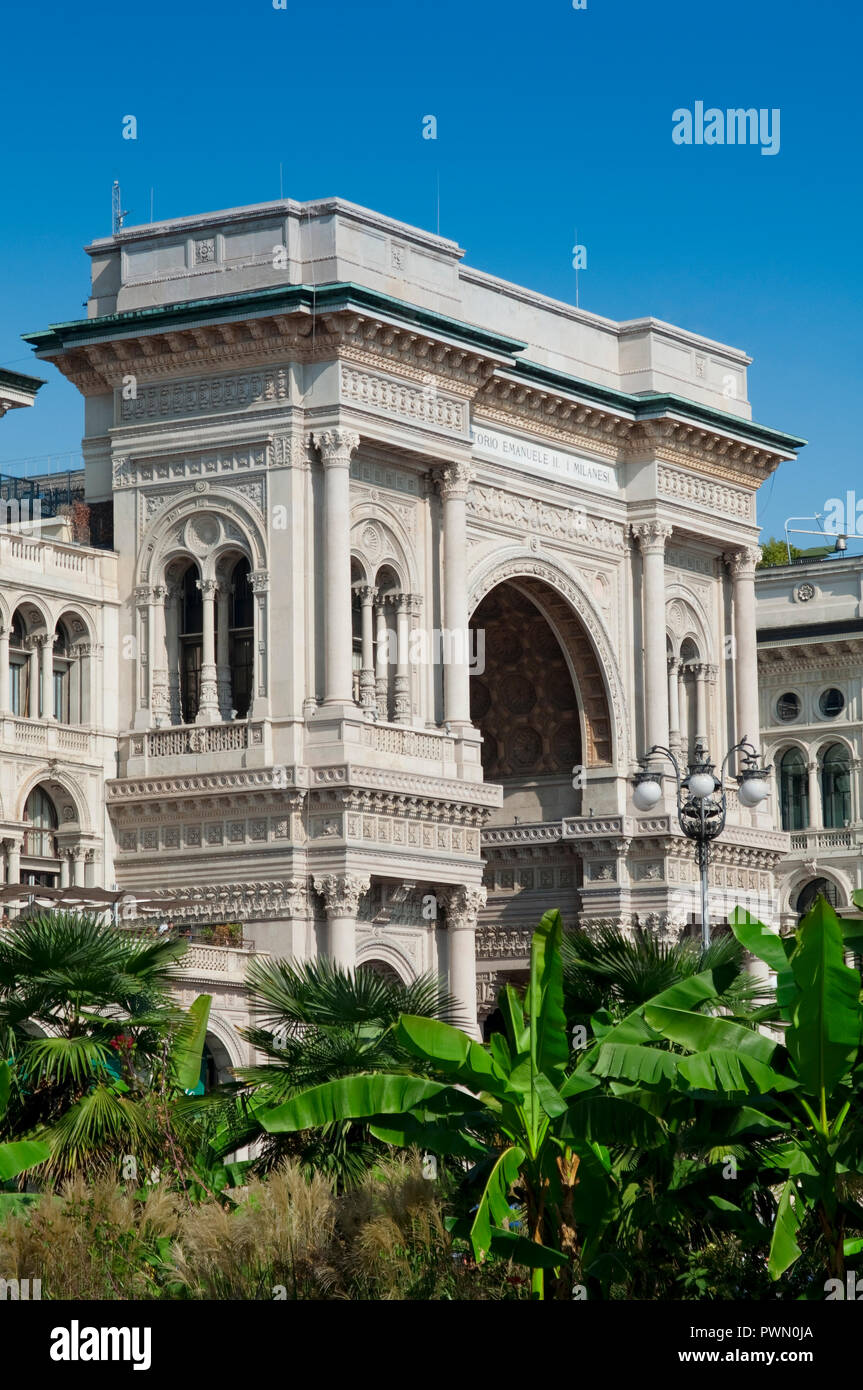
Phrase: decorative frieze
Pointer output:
(421, 405)
(561, 523)
(205, 395)
(381, 475)
(704, 495)
(180, 468)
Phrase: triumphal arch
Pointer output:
(414, 563)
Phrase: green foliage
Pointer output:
(88, 1022)
(315, 1022)
(775, 552)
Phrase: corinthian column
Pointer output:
(382, 659)
(160, 698)
(651, 537)
(46, 672)
(341, 894)
(208, 706)
(741, 564)
(225, 695)
(673, 702)
(463, 905)
(32, 678)
(402, 701)
(172, 652)
(336, 447)
(367, 594)
(454, 482)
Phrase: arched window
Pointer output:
(388, 586)
(63, 676)
(241, 638)
(793, 790)
(383, 969)
(356, 629)
(811, 890)
(40, 818)
(18, 668)
(191, 644)
(836, 786)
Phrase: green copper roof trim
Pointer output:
(276, 299)
(656, 404)
(346, 295)
(19, 382)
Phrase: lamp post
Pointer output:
(701, 800)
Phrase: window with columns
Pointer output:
(45, 671)
(201, 625)
(793, 790)
(383, 615)
(240, 611)
(836, 786)
(191, 639)
(39, 854)
(19, 692)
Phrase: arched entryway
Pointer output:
(539, 700)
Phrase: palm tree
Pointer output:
(314, 1022)
(88, 1023)
(609, 973)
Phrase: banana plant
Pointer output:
(821, 1063)
(17, 1157)
(535, 1126)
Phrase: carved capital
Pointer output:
(336, 447)
(259, 581)
(463, 905)
(652, 535)
(741, 563)
(342, 892)
(207, 587)
(366, 593)
(143, 595)
(454, 479)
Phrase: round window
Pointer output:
(831, 702)
(788, 707)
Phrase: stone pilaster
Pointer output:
(652, 537)
(454, 484)
(336, 447)
(462, 905)
(741, 564)
(341, 894)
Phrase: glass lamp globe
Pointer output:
(701, 784)
(646, 794)
(753, 790)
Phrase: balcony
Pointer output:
(201, 747)
(47, 736)
(225, 964)
(807, 841)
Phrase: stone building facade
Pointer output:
(412, 564)
(810, 662)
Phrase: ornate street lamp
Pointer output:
(701, 800)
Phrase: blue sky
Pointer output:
(549, 118)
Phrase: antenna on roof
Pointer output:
(281, 189)
(118, 213)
